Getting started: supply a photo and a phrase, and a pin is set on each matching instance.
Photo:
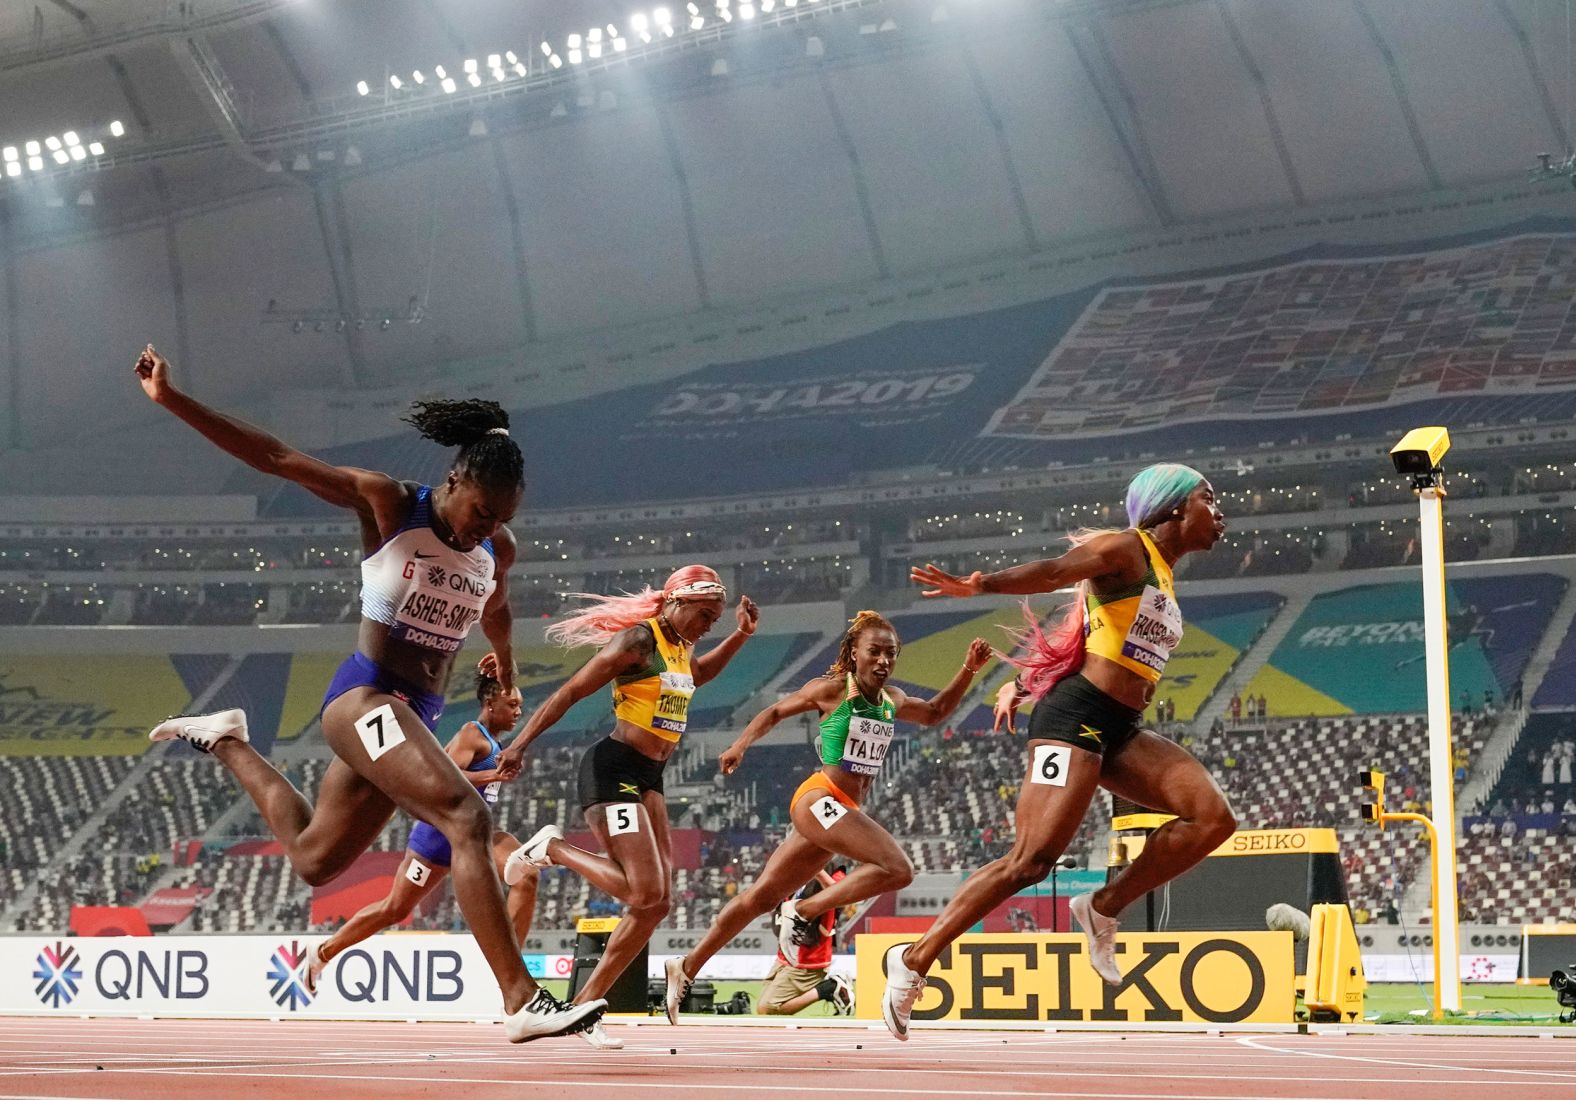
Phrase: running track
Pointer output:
(133, 1059)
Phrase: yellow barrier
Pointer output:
(1174, 977)
(1334, 985)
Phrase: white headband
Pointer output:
(497, 431)
(700, 589)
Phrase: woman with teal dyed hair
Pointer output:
(1091, 676)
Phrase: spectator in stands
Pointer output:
(1236, 708)
(645, 641)
(858, 711)
(1092, 677)
(380, 709)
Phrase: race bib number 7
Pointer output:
(1049, 765)
(379, 730)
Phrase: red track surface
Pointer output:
(131, 1059)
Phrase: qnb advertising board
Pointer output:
(1198, 978)
(427, 977)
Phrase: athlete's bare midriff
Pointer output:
(643, 741)
(1121, 684)
(418, 666)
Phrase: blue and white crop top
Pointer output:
(488, 791)
(428, 593)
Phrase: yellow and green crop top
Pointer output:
(656, 698)
(1138, 627)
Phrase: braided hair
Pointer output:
(487, 688)
(856, 626)
(480, 429)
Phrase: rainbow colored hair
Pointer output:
(605, 616)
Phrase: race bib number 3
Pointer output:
(417, 872)
(623, 817)
(379, 730)
(1049, 765)
(829, 811)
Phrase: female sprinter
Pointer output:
(437, 562)
(1092, 678)
(474, 749)
(646, 640)
(857, 713)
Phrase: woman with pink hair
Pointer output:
(645, 640)
(1091, 677)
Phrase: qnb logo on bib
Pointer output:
(865, 750)
(1156, 630)
(439, 608)
(672, 711)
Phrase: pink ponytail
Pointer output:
(598, 623)
(1050, 656)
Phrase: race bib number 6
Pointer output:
(622, 817)
(1049, 765)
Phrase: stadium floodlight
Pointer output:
(116, 129)
(473, 79)
(470, 65)
(555, 61)
(547, 49)
(35, 164)
(620, 45)
(519, 68)
(494, 61)
(448, 85)
(34, 148)
(575, 57)
(395, 82)
(746, 10)
(12, 168)
(61, 156)
(78, 153)
(53, 143)
(417, 77)
(499, 75)
(71, 138)
(9, 153)
(440, 72)
(509, 56)
(663, 18)
(361, 87)
(574, 41)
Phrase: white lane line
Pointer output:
(1403, 1063)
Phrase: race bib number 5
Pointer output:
(1049, 765)
(622, 817)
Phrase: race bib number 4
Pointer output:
(867, 744)
(1049, 765)
(829, 811)
(623, 817)
(379, 731)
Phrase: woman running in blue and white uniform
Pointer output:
(437, 563)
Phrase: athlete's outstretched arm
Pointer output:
(497, 617)
(370, 494)
(819, 694)
(928, 712)
(630, 649)
(709, 664)
(1112, 555)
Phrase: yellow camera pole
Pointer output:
(1375, 812)
(1418, 457)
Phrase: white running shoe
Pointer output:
(1101, 931)
(599, 1039)
(533, 853)
(312, 966)
(202, 731)
(902, 989)
(842, 996)
(545, 1015)
(794, 931)
(678, 987)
